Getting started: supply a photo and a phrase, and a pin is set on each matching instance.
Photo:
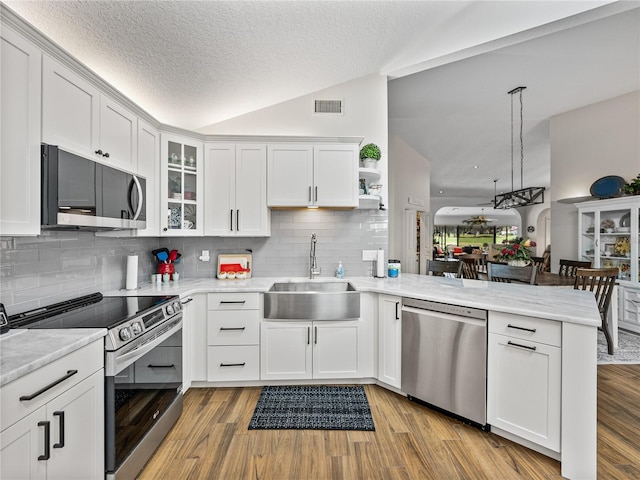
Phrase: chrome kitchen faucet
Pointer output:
(314, 270)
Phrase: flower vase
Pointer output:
(518, 263)
(369, 162)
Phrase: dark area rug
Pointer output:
(312, 408)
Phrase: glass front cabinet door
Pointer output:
(608, 236)
(182, 186)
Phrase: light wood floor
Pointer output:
(211, 441)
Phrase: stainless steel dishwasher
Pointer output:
(444, 358)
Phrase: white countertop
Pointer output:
(22, 351)
(554, 303)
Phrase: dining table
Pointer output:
(548, 279)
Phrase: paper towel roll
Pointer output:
(132, 272)
(380, 264)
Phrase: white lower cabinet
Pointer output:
(59, 433)
(524, 378)
(389, 339)
(233, 337)
(629, 313)
(293, 350)
(194, 339)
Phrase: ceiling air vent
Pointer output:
(327, 107)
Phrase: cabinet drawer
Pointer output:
(161, 365)
(86, 360)
(233, 327)
(227, 363)
(233, 301)
(527, 328)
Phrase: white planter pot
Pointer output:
(369, 162)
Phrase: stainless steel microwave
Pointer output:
(81, 194)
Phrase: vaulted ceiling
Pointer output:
(194, 63)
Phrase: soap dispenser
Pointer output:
(340, 271)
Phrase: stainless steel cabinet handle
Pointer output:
(47, 440)
(60, 443)
(231, 329)
(70, 373)
(521, 346)
(532, 330)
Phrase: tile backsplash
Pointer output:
(55, 266)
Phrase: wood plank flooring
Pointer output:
(211, 441)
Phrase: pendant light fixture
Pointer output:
(524, 196)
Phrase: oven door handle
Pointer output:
(116, 364)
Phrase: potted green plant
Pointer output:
(370, 154)
(633, 187)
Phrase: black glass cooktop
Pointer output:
(90, 311)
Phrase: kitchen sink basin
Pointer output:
(312, 301)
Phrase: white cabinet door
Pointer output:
(523, 389)
(335, 349)
(290, 175)
(220, 188)
(194, 345)
(20, 446)
(70, 110)
(335, 175)
(252, 215)
(118, 135)
(389, 340)
(286, 351)
(181, 186)
(149, 168)
(77, 431)
(20, 94)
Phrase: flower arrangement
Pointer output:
(516, 251)
(633, 187)
(370, 150)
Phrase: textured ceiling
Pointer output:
(192, 64)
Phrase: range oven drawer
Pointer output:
(161, 365)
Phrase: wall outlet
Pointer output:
(369, 255)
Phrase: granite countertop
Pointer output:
(22, 351)
(554, 303)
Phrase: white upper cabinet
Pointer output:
(20, 81)
(76, 117)
(236, 190)
(312, 176)
(181, 186)
(149, 168)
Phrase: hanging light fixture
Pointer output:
(524, 196)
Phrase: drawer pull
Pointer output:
(233, 364)
(521, 346)
(161, 366)
(60, 443)
(70, 373)
(232, 301)
(47, 439)
(532, 330)
(231, 328)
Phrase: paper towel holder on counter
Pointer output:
(378, 264)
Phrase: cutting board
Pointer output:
(227, 259)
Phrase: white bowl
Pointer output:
(222, 275)
(623, 229)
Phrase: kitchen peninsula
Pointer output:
(567, 320)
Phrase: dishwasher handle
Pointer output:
(444, 316)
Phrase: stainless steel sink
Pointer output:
(312, 301)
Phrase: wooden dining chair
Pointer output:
(568, 267)
(438, 268)
(472, 265)
(600, 281)
(539, 263)
(500, 272)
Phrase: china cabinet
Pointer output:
(608, 237)
(181, 186)
(20, 87)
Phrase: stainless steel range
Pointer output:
(143, 369)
